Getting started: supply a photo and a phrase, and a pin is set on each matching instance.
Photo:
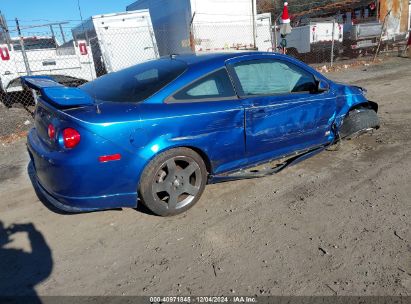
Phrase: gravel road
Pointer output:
(336, 224)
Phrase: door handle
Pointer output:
(260, 113)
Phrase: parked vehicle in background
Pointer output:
(313, 40)
(159, 131)
(362, 37)
(118, 40)
(44, 56)
(185, 26)
(363, 28)
(264, 32)
(364, 21)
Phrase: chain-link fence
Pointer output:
(73, 54)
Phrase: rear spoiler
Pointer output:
(57, 94)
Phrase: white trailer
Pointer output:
(43, 56)
(313, 38)
(362, 37)
(184, 26)
(264, 33)
(119, 40)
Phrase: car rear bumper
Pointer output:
(43, 168)
(80, 204)
(51, 199)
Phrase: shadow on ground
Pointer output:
(20, 270)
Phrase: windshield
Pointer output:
(136, 83)
(33, 43)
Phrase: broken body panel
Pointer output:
(230, 134)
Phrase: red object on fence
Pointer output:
(4, 53)
(83, 48)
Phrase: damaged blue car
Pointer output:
(158, 132)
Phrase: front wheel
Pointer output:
(173, 181)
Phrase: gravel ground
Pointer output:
(14, 121)
(336, 224)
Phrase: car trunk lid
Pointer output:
(53, 100)
(56, 94)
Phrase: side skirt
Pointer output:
(268, 168)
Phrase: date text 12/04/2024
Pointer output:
(203, 299)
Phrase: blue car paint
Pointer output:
(229, 134)
(55, 93)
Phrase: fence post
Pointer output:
(254, 25)
(62, 33)
(25, 59)
(23, 50)
(275, 35)
(332, 44)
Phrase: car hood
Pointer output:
(350, 89)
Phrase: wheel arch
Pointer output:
(197, 150)
(204, 156)
(368, 105)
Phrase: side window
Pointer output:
(270, 77)
(215, 85)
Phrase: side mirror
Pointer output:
(323, 86)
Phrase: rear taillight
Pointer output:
(51, 131)
(71, 138)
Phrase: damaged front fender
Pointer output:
(350, 97)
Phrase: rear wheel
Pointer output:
(173, 181)
(359, 121)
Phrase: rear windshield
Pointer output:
(136, 83)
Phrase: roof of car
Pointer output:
(193, 59)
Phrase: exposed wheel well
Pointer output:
(368, 105)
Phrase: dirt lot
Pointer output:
(338, 223)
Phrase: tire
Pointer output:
(5, 99)
(173, 182)
(359, 121)
(293, 52)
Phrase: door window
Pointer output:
(272, 77)
(216, 85)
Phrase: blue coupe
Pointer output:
(158, 132)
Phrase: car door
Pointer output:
(285, 112)
(208, 115)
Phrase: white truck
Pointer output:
(118, 40)
(313, 40)
(186, 26)
(69, 63)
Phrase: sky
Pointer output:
(30, 12)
